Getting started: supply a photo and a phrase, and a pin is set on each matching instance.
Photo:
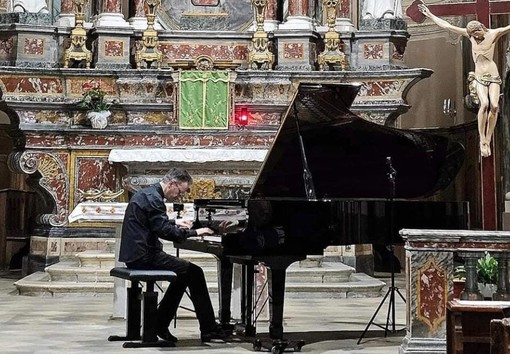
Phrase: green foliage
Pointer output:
(93, 98)
(487, 268)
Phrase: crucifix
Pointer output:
(482, 9)
(483, 41)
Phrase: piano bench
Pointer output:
(135, 300)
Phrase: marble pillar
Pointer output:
(270, 19)
(344, 16)
(298, 18)
(137, 17)
(66, 18)
(111, 15)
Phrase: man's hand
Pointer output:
(204, 231)
(184, 223)
(228, 226)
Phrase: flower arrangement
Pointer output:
(487, 268)
(93, 98)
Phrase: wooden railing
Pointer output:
(17, 213)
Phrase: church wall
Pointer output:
(447, 82)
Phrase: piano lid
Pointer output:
(347, 155)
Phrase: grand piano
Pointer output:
(330, 178)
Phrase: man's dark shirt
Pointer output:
(145, 222)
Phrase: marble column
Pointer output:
(137, 17)
(270, 20)
(111, 15)
(298, 18)
(66, 18)
(113, 37)
(344, 16)
(297, 39)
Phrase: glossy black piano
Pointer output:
(325, 181)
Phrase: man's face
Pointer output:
(175, 189)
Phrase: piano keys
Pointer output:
(325, 182)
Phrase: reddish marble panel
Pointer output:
(75, 85)
(94, 172)
(432, 294)
(114, 48)
(264, 118)
(111, 6)
(32, 84)
(139, 8)
(151, 140)
(271, 10)
(47, 140)
(373, 51)
(241, 52)
(6, 46)
(181, 51)
(293, 51)
(344, 9)
(298, 7)
(67, 7)
(33, 46)
(381, 88)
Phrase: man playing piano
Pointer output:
(145, 222)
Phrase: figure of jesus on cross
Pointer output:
(485, 82)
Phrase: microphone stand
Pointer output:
(390, 294)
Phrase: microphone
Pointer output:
(391, 171)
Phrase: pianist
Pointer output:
(145, 222)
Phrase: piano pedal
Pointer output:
(278, 346)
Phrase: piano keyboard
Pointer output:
(209, 238)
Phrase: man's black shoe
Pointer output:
(167, 336)
(217, 335)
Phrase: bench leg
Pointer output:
(150, 306)
(133, 316)
(149, 335)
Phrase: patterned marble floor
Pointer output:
(81, 324)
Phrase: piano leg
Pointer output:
(247, 305)
(276, 277)
(225, 268)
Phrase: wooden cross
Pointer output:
(482, 9)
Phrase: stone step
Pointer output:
(361, 285)
(328, 273)
(96, 259)
(72, 272)
(40, 284)
(89, 272)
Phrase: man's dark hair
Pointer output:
(178, 175)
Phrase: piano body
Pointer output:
(325, 181)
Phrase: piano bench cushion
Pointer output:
(143, 274)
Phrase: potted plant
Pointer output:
(93, 100)
(487, 271)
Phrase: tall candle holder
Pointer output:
(77, 50)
